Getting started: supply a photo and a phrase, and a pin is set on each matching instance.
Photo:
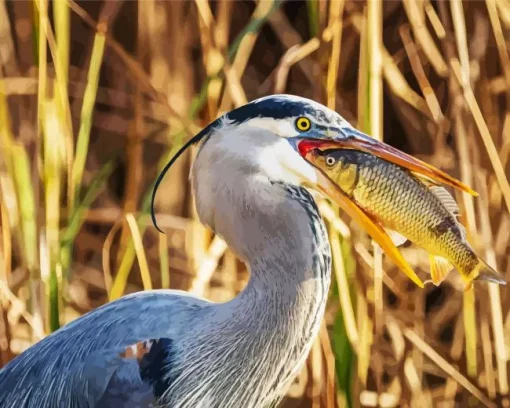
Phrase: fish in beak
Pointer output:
(355, 140)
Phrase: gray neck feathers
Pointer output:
(283, 304)
(289, 252)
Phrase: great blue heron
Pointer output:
(249, 180)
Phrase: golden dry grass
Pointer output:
(96, 96)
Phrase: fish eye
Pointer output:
(330, 161)
(303, 124)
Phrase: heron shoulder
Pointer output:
(86, 359)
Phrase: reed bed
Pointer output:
(96, 96)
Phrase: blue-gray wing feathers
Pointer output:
(85, 364)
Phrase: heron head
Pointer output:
(308, 126)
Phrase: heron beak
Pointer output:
(353, 139)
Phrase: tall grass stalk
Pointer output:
(374, 128)
(82, 144)
(53, 158)
(345, 338)
(365, 323)
(469, 312)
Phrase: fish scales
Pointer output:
(401, 202)
(404, 204)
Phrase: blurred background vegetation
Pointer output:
(96, 96)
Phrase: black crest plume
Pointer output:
(195, 139)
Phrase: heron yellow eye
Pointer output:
(303, 124)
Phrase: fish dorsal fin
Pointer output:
(439, 269)
(446, 198)
(440, 192)
(451, 206)
(395, 237)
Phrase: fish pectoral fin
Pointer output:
(396, 238)
(439, 268)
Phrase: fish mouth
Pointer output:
(355, 140)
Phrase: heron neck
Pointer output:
(279, 313)
(289, 265)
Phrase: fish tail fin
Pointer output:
(484, 272)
